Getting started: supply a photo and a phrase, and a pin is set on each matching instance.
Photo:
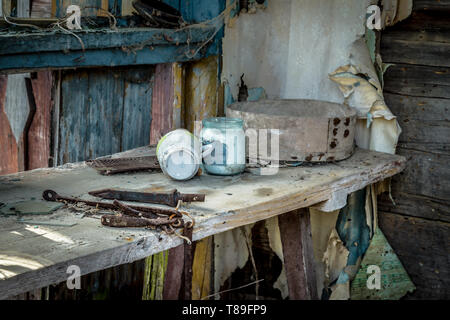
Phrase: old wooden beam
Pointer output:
(90, 58)
(8, 146)
(201, 91)
(134, 39)
(167, 100)
(173, 277)
(295, 231)
(39, 132)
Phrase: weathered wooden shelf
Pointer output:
(34, 256)
(34, 50)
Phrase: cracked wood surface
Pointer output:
(33, 256)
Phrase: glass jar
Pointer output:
(223, 146)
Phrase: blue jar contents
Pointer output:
(223, 145)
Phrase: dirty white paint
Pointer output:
(290, 48)
(16, 104)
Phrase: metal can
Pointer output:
(179, 154)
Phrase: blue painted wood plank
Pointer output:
(195, 11)
(105, 113)
(130, 38)
(137, 105)
(115, 7)
(91, 58)
(73, 115)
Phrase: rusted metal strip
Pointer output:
(169, 198)
(147, 212)
(120, 165)
(125, 221)
(295, 231)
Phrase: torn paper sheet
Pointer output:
(377, 128)
(334, 258)
(322, 226)
(395, 11)
(230, 253)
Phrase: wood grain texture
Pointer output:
(431, 5)
(137, 108)
(423, 247)
(201, 268)
(186, 287)
(133, 39)
(201, 91)
(173, 277)
(162, 101)
(19, 108)
(39, 131)
(422, 39)
(8, 147)
(104, 112)
(41, 9)
(417, 92)
(418, 81)
(231, 202)
(295, 231)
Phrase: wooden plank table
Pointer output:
(33, 256)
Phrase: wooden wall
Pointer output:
(417, 90)
(104, 111)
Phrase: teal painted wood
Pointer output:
(92, 58)
(137, 108)
(104, 38)
(195, 11)
(73, 115)
(104, 111)
(115, 7)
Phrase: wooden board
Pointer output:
(418, 80)
(426, 257)
(417, 92)
(9, 162)
(39, 132)
(35, 257)
(103, 47)
(162, 101)
(295, 232)
(103, 112)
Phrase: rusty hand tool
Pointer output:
(123, 221)
(169, 198)
(146, 212)
(131, 218)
